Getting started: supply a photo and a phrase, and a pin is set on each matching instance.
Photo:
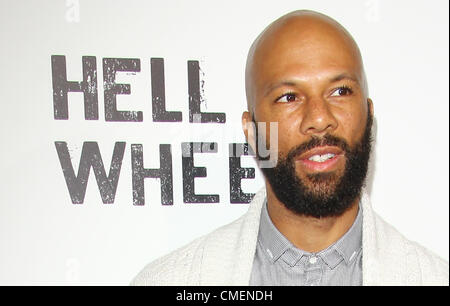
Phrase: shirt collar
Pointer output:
(276, 246)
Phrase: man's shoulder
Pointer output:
(423, 265)
(434, 269)
(169, 269)
(221, 256)
(182, 266)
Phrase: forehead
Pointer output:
(304, 50)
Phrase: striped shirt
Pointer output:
(278, 262)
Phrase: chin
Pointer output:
(323, 190)
(321, 184)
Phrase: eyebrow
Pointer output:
(274, 86)
(344, 76)
(339, 77)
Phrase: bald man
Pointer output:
(312, 224)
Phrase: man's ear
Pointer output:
(248, 127)
(370, 104)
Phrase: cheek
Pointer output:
(282, 134)
(288, 137)
(353, 125)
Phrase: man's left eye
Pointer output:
(342, 91)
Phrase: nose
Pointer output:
(318, 118)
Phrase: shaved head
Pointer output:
(306, 33)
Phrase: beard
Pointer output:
(322, 194)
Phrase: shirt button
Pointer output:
(313, 260)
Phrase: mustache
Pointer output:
(327, 140)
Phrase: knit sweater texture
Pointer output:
(225, 256)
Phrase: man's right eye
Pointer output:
(289, 97)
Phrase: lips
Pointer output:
(321, 159)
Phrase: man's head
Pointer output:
(305, 72)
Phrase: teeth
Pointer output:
(321, 158)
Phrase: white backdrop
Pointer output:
(45, 239)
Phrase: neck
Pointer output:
(309, 233)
